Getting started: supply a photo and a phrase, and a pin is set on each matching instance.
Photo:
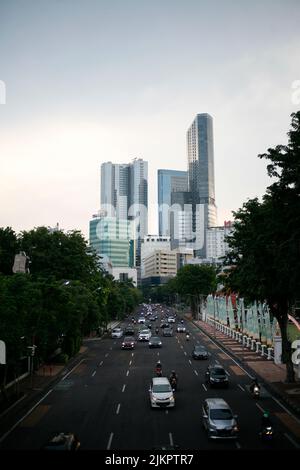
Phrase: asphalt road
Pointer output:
(105, 401)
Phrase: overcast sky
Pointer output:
(89, 81)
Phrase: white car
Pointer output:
(161, 393)
(145, 335)
(141, 320)
(171, 320)
(117, 333)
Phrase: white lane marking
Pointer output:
(123, 389)
(106, 354)
(110, 440)
(93, 373)
(217, 362)
(167, 412)
(171, 439)
(196, 372)
(72, 369)
(238, 445)
(185, 353)
(100, 363)
(115, 343)
(127, 373)
(261, 409)
(292, 440)
(241, 387)
(204, 387)
(118, 408)
(110, 348)
(190, 361)
(282, 406)
(181, 347)
(25, 416)
(130, 362)
(158, 353)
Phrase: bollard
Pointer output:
(269, 357)
(263, 347)
(258, 344)
(253, 344)
(240, 337)
(244, 339)
(248, 342)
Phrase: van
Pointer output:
(161, 393)
(218, 419)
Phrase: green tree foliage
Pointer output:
(265, 256)
(9, 246)
(192, 281)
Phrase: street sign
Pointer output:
(20, 263)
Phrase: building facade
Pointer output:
(169, 181)
(201, 179)
(112, 238)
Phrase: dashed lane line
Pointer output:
(196, 372)
(259, 407)
(292, 440)
(93, 373)
(127, 373)
(241, 387)
(204, 387)
(118, 408)
(110, 441)
(123, 389)
(171, 439)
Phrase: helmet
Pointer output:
(173, 371)
(266, 414)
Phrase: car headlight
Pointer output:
(235, 428)
(172, 398)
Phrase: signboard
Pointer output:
(20, 263)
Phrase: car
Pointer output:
(63, 441)
(128, 342)
(180, 328)
(164, 324)
(199, 352)
(117, 333)
(216, 376)
(130, 331)
(144, 335)
(171, 320)
(218, 419)
(141, 320)
(168, 332)
(161, 393)
(155, 342)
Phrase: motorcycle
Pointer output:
(267, 433)
(256, 391)
(173, 382)
(187, 337)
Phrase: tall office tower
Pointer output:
(124, 195)
(201, 179)
(169, 181)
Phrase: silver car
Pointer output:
(218, 419)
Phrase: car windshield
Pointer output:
(218, 372)
(221, 414)
(161, 388)
(155, 339)
(199, 348)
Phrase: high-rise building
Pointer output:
(124, 195)
(169, 181)
(201, 179)
(112, 239)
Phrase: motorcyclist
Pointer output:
(158, 368)
(157, 330)
(266, 421)
(187, 336)
(254, 384)
(173, 379)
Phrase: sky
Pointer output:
(83, 82)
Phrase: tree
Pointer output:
(9, 247)
(192, 281)
(265, 242)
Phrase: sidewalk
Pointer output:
(266, 371)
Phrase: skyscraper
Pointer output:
(169, 181)
(124, 195)
(201, 178)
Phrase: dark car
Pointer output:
(164, 324)
(129, 331)
(168, 332)
(180, 328)
(155, 342)
(216, 376)
(199, 352)
(128, 342)
(63, 441)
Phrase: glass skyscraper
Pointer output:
(201, 178)
(169, 181)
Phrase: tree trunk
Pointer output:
(281, 314)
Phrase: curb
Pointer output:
(268, 385)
